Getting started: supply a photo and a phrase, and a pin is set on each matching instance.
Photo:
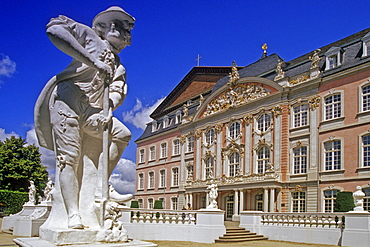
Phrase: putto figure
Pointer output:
(69, 117)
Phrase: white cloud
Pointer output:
(47, 156)
(139, 115)
(4, 135)
(123, 177)
(7, 66)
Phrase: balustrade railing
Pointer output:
(324, 220)
(153, 216)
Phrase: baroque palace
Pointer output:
(275, 136)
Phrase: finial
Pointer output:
(264, 48)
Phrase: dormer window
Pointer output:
(166, 121)
(154, 126)
(366, 45)
(178, 117)
(333, 58)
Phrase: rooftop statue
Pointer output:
(74, 110)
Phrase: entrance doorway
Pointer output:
(229, 207)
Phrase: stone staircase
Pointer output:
(236, 234)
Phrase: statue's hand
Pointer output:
(104, 69)
(98, 119)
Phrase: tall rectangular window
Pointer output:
(162, 177)
(332, 155)
(152, 153)
(366, 198)
(366, 98)
(329, 197)
(150, 203)
(140, 203)
(151, 180)
(190, 143)
(333, 107)
(210, 136)
(263, 159)
(299, 202)
(234, 130)
(300, 160)
(234, 161)
(141, 181)
(164, 150)
(300, 115)
(176, 147)
(174, 203)
(366, 150)
(141, 156)
(175, 176)
(209, 164)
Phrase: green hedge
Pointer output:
(344, 202)
(12, 201)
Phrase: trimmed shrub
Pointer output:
(134, 204)
(158, 204)
(12, 201)
(344, 202)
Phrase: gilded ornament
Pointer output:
(315, 59)
(218, 128)
(276, 111)
(198, 133)
(314, 102)
(233, 75)
(300, 79)
(248, 119)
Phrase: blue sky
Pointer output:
(167, 38)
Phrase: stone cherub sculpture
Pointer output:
(69, 116)
(31, 194)
(213, 194)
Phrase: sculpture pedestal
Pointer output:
(27, 221)
(37, 242)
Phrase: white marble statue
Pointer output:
(69, 114)
(213, 194)
(358, 196)
(31, 194)
(48, 190)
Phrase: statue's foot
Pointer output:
(116, 197)
(74, 222)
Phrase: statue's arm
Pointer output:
(62, 38)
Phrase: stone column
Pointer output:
(272, 200)
(236, 202)
(249, 200)
(241, 207)
(265, 200)
(191, 200)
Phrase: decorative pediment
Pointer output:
(233, 147)
(235, 96)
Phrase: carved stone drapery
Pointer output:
(233, 147)
(236, 96)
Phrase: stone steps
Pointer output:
(238, 234)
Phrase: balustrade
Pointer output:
(149, 216)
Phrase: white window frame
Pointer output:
(234, 164)
(300, 117)
(262, 162)
(190, 144)
(209, 164)
(176, 147)
(154, 125)
(335, 107)
(142, 155)
(333, 155)
(151, 153)
(333, 54)
(366, 45)
(178, 117)
(162, 178)
(151, 180)
(140, 181)
(163, 150)
(234, 130)
(299, 202)
(140, 201)
(300, 160)
(175, 176)
(209, 136)
(166, 121)
(364, 98)
(262, 123)
(150, 203)
(330, 195)
(174, 203)
(364, 152)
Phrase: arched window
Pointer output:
(333, 106)
(234, 164)
(300, 115)
(210, 136)
(333, 156)
(175, 176)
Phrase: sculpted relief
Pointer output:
(236, 96)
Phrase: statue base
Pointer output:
(37, 242)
